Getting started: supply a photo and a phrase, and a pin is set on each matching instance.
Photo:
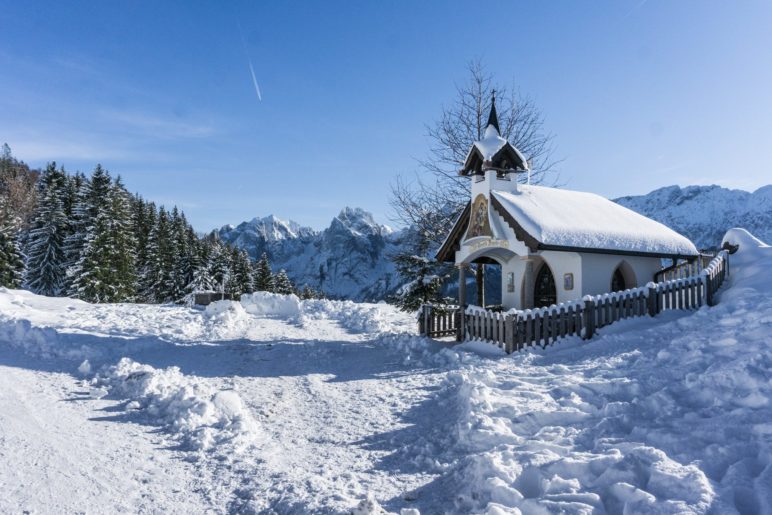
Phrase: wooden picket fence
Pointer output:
(516, 330)
(437, 321)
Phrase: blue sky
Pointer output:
(639, 94)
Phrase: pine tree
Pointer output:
(123, 244)
(45, 267)
(263, 276)
(220, 265)
(161, 260)
(146, 270)
(201, 264)
(75, 241)
(308, 293)
(182, 270)
(424, 280)
(242, 273)
(282, 283)
(91, 204)
(106, 269)
(90, 281)
(11, 261)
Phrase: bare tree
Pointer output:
(17, 191)
(432, 202)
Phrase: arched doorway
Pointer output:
(618, 280)
(544, 293)
(623, 277)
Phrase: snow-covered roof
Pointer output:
(574, 219)
(490, 145)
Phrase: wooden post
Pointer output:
(652, 299)
(589, 317)
(510, 327)
(461, 301)
(706, 288)
(481, 285)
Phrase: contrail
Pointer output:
(249, 60)
(254, 80)
(634, 8)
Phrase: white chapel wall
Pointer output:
(597, 270)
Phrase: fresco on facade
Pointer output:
(479, 225)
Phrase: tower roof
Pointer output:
(493, 117)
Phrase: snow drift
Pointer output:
(198, 416)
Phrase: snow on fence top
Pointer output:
(568, 218)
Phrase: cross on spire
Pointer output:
(493, 118)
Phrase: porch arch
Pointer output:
(482, 257)
(623, 277)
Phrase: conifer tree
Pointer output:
(160, 260)
(282, 283)
(182, 270)
(220, 266)
(90, 281)
(263, 276)
(201, 264)
(106, 269)
(310, 293)
(11, 261)
(75, 241)
(146, 273)
(241, 273)
(45, 268)
(425, 284)
(123, 243)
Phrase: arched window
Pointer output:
(618, 280)
(544, 290)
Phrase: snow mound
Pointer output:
(226, 319)
(267, 304)
(358, 318)
(352, 316)
(44, 342)
(200, 417)
(748, 243)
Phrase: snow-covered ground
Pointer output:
(278, 406)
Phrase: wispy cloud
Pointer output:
(54, 148)
(155, 126)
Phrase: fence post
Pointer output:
(707, 284)
(509, 333)
(651, 293)
(589, 317)
(421, 322)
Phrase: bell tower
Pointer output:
(493, 152)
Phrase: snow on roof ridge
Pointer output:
(568, 218)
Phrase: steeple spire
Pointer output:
(493, 118)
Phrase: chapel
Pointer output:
(553, 245)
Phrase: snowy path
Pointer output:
(328, 404)
(62, 454)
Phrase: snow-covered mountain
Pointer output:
(349, 259)
(705, 213)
